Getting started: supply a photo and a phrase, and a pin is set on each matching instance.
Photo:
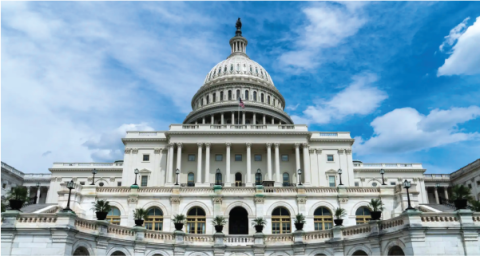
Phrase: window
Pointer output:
(284, 158)
(257, 158)
(229, 95)
(281, 221)
(82, 182)
(238, 67)
(322, 219)
(218, 178)
(246, 95)
(331, 181)
(225, 69)
(330, 158)
(250, 68)
(470, 186)
(374, 184)
(221, 96)
(254, 96)
(393, 183)
(238, 179)
(362, 215)
(268, 100)
(146, 158)
(4, 185)
(191, 158)
(238, 94)
(208, 99)
(357, 184)
(196, 221)
(191, 180)
(261, 98)
(258, 178)
(154, 221)
(238, 157)
(231, 67)
(144, 180)
(478, 182)
(214, 97)
(286, 179)
(119, 183)
(113, 216)
(218, 158)
(101, 184)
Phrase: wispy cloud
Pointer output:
(454, 35)
(46, 153)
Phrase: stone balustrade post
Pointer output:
(259, 244)
(66, 220)
(140, 246)
(8, 230)
(336, 242)
(219, 245)
(415, 243)
(63, 235)
(469, 232)
(298, 245)
(180, 246)
(102, 239)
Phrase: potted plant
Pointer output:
(18, 197)
(259, 223)
(178, 221)
(475, 205)
(460, 196)
(299, 221)
(376, 208)
(140, 215)
(101, 208)
(339, 213)
(219, 222)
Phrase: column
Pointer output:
(199, 163)
(436, 195)
(243, 118)
(203, 120)
(170, 164)
(207, 163)
(227, 171)
(446, 192)
(264, 120)
(269, 161)
(233, 118)
(278, 180)
(249, 165)
(306, 164)
(254, 118)
(297, 157)
(179, 158)
(38, 195)
(222, 121)
(212, 121)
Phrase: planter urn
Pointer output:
(259, 228)
(101, 215)
(299, 226)
(178, 226)
(16, 204)
(139, 223)
(338, 222)
(375, 215)
(219, 228)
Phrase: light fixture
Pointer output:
(407, 185)
(70, 186)
(136, 173)
(299, 177)
(94, 171)
(340, 175)
(382, 172)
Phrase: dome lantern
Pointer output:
(238, 43)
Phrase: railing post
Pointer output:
(373, 237)
(415, 241)
(102, 239)
(63, 235)
(8, 230)
(180, 246)
(298, 245)
(140, 246)
(219, 245)
(469, 232)
(336, 241)
(259, 244)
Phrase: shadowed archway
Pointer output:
(238, 221)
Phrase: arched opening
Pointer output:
(155, 219)
(113, 216)
(246, 94)
(218, 178)
(281, 222)
(254, 96)
(229, 95)
(238, 179)
(262, 99)
(396, 251)
(118, 253)
(286, 179)
(362, 215)
(196, 221)
(191, 179)
(238, 94)
(81, 251)
(359, 253)
(258, 177)
(238, 221)
(322, 218)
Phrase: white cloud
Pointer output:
(291, 107)
(455, 34)
(329, 24)
(406, 130)
(361, 97)
(465, 59)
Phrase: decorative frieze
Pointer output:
(158, 150)
(132, 199)
(134, 150)
(301, 200)
(128, 150)
(175, 200)
(259, 200)
(217, 200)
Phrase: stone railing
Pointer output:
(113, 189)
(61, 164)
(199, 239)
(265, 127)
(120, 231)
(279, 239)
(12, 169)
(160, 237)
(356, 230)
(387, 165)
(195, 190)
(239, 240)
(439, 217)
(85, 224)
(321, 190)
(49, 209)
(356, 190)
(286, 190)
(155, 190)
(392, 223)
(32, 218)
(238, 190)
(317, 236)
(476, 217)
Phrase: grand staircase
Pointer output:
(34, 207)
(442, 207)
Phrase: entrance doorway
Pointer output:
(238, 221)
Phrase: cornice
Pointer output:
(388, 170)
(473, 166)
(216, 132)
(85, 169)
(143, 140)
(333, 140)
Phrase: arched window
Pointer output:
(219, 70)
(396, 251)
(238, 94)
(208, 99)
(251, 69)
(214, 97)
(286, 179)
(256, 70)
(254, 96)
(322, 218)
(231, 67)
(221, 96)
(268, 100)
(359, 253)
(258, 178)
(225, 69)
(362, 215)
(196, 221)
(262, 98)
(191, 179)
(113, 216)
(229, 95)
(238, 179)
(246, 94)
(218, 178)
(154, 221)
(238, 67)
(281, 221)
(81, 251)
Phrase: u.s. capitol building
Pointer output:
(238, 154)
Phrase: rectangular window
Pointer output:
(331, 181)
(284, 158)
(146, 158)
(82, 182)
(214, 97)
(357, 184)
(4, 185)
(470, 186)
(221, 96)
(330, 158)
(393, 183)
(238, 157)
(191, 158)
(219, 158)
(144, 180)
(258, 157)
(119, 183)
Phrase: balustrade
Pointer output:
(356, 230)
(318, 236)
(120, 231)
(239, 240)
(85, 224)
(281, 238)
(160, 236)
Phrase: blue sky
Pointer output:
(402, 77)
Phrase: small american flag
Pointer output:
(241, 103)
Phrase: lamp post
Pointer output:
(407, 185)
(136, 173)
(299, 177)
(94, 171)
(70, 186)
(217, 176)
(177, 172)
(36, 195)
(340, 175)
(382, 172)
(258, 177)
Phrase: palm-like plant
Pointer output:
(460, 192)
(376, 205)
(179, 219)
(219, 221)
(140, 214)
(19, 193)
(475, 205)
(259, 222)
(339, 213)
(299, 218)
(101, 206)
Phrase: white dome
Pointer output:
(239, 66)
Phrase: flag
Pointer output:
(241, 103)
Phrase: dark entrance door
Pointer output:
(238, 221)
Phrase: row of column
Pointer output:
(437, 199)
(222, 119)
(278, 180)
(38, 192)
